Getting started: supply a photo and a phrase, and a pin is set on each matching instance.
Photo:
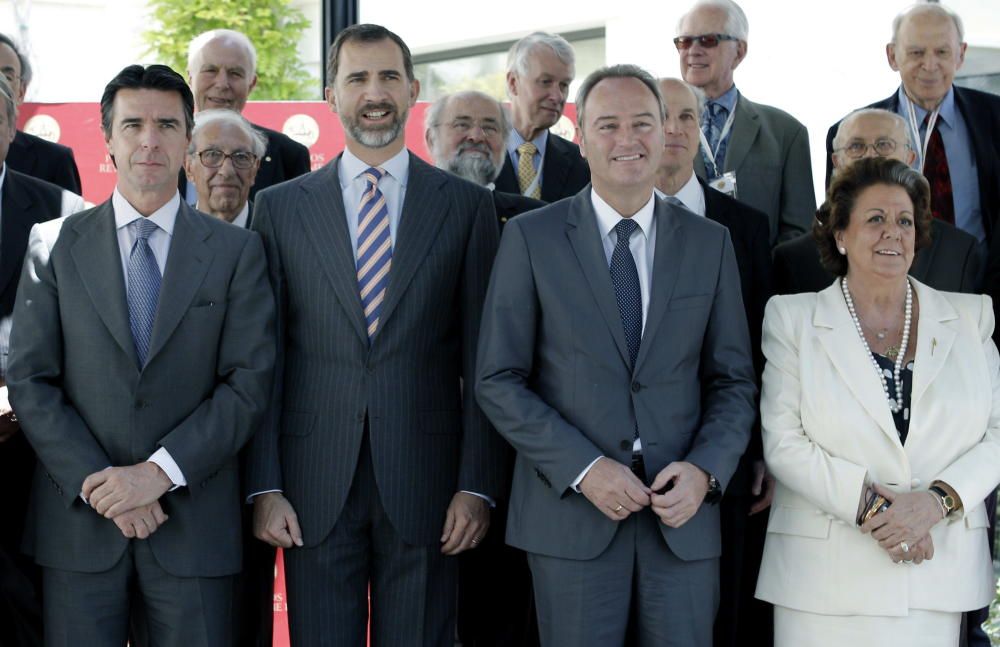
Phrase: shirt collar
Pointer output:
(515, 140)
(692, 196)
(607, 217)
(946, 109)
(3, 174)
(164, 217)
(728, 99)
(397, 167)
(241, 218)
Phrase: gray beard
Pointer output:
(375, 138)
(480, 170)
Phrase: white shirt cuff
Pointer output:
(492, 503)
(165, 461)
(575, 485)
(257, 494)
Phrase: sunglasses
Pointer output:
(708, 41)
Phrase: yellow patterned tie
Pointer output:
(526, 170)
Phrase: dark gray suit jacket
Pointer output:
(85, 405)
(428, 438)
(769, 151)
(554, 376)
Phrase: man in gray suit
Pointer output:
(615, 358)
(141, 360)
(758, 154)
(375, 467)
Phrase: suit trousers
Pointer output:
(162, 609)
(413, 588)
(586, 602)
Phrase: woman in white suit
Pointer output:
(878, 386)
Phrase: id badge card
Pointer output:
(726, 183)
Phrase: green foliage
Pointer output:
(273, 26)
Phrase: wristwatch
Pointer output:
(947, 501)
(714, 490)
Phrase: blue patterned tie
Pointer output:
(374, 249)
(713, 121)
(143, 287)
(626, 280)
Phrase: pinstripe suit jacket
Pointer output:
(428, 437)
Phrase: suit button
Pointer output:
(625, 445)
(915, 483)
(636, 387)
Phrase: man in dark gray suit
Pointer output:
(141, 360)
(375, 467)
(615, 358)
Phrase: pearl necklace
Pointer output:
(896, 403)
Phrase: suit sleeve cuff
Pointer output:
(162, 458)
(575, 485)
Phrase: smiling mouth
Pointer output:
(375, 115)
(887, 252)
(627, 158)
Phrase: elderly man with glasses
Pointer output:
(222, 163)
(757, 154)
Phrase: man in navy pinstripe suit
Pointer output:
(375, 467)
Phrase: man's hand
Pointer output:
(465, 523)
(614, 489)
(141, 522)
(8, 421)
(763, 487)
(681, 502)
(275, 521)
(115, 490)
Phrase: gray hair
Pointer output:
(10, 105)
(623, 71)
(239, 38)
(21, 58)
(934, 8)
(432, 117)
(258, 143)
(897, 122)
(517, 56)
(736, 21)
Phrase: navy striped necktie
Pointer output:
(143, 290)
(374, 255)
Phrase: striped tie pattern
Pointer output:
(374, 249)
(143, 287)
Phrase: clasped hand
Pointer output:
(129, 496)
(908, 523)
(617, 492)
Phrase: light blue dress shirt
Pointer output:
(539, 141)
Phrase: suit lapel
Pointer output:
(934, 339)
(555, 168)
(839, 337)
(667, 261)
(15, 226)
(325, 225)
(586, 241)
(746, 123)
(425, 208)
(98, 262)
(981, 149)
(187, 263)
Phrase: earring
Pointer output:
(842, 250)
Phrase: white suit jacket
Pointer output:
(827, 430)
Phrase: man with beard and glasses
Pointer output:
(466, 134)
(375, 468)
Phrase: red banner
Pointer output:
(78, 125)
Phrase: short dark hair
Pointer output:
(365, 33)
(151, 77)
(624, 71)
(21, 58)
(835, 214)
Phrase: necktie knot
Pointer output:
(624, 229)
(373, 175)
(527, 148)
(144, 228)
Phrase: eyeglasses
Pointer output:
(708, 41)
(883, 147)
(463, 126)
(214, 158)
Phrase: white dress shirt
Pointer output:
(642, 244)
(392, 186)
(691, 195)
(159, 243)
(241, 218)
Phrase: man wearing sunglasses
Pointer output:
(755, 153)
(222, 163)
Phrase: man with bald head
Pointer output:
(954, 129)
(756, 153)
(222, 72)
(466, 134)
(953, 261)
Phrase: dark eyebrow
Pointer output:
(168, 121)
(357, 75)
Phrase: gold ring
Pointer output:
(619, 508)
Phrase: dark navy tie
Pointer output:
(626, 280)
(143, 287)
